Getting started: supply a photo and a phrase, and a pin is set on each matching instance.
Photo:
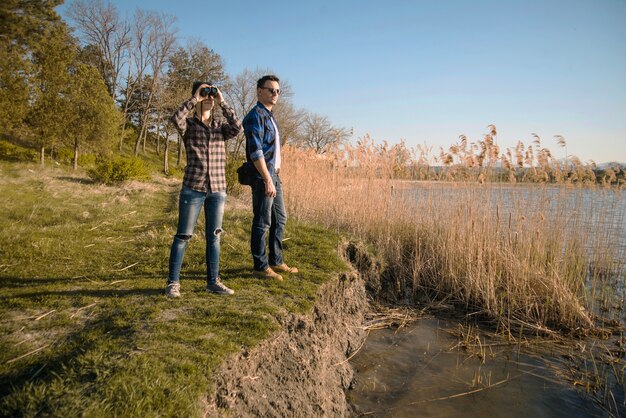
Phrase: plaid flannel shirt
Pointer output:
(204, 146)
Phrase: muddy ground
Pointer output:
(304, 369)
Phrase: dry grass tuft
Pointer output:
(526, 256)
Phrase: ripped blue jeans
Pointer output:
(190, 203)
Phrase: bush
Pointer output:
(233, 188)
(85, 160)
(11, 152)
(112, 170)
(65, 155)
(175, 172)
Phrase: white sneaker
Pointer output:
(219, 288)
(172, 290)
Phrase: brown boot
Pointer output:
(268, 273)
(284, 268)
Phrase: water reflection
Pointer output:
(414, 372)
(602, 211)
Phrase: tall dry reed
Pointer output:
(522, 255)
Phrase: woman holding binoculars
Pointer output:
(204, 182)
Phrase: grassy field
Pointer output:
(86, 329)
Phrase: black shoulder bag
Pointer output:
(246, 174)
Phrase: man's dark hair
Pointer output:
(265, 78)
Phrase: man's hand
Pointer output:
(270, 189)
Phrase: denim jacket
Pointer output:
(260, 136)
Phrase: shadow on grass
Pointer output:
(7, 282)
(236, 272)
(88, 292)
(49, 368)
(77, 180)
(19, 285)
(10, 282)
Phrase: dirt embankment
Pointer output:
(303, 371)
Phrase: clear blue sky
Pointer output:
(428, 71)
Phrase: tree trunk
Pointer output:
(124, 121)
(137, 143)
(166, 148)
(127, 93)
(180, 151)
(158, 136)
(42, 155)
(122, 135)
(143, 120)
(138, 140)
(143, 142)
(144, 135)
(141, 138)
(75, 153)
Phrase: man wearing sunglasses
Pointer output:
(263, 152)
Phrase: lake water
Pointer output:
(416, 371)
(596, 217)
(603, 210)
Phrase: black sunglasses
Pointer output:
(271, 90)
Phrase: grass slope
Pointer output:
(85, 326)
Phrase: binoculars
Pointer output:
(208, 92)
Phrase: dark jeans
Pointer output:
(190, 203)
(269, 215)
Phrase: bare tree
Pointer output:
(160, 42)
(137, 65)
(241, 93)
(167, 100)
(101, 28)
(318, 133)
(290, 120)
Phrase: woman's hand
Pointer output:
(220, 98)
(197, 95)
